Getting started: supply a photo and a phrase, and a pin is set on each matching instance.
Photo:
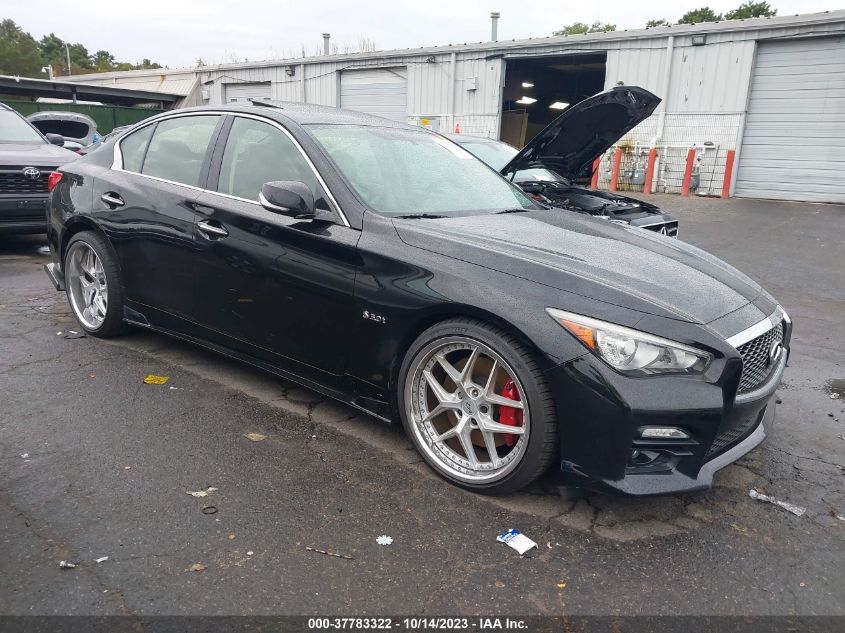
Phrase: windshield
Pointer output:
(401, 172)
(497, 155)
(13, 129)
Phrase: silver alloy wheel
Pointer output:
(454, 405)
(86, 284)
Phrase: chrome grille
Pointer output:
(15, 182)
(755, 358)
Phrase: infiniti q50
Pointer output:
(387, 267)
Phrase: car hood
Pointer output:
(575, 253)
(585, 131)
(34, 154)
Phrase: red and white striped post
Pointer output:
(649, 170)
(688, 172)
(729, 172)
(614, 175)
(594, 182)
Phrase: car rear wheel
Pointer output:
(476, 406)
(92, 279)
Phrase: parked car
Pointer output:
(79, 130)
(505, 336)
(120, 129)
(27, 158)
(549, 165)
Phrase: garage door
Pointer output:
(246, 92)
(382, 92)
(792, 148)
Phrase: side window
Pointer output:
(134, 146)
(256, 153)
(178, 148)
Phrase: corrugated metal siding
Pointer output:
(710, 78)
(794, 136)
(636, 67)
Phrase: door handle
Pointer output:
(211, 231)
(200, 208)
(112, 200)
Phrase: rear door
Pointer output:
(270, 285)
(147, 200)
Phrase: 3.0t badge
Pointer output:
(372, 316)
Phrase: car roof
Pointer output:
(306, 114)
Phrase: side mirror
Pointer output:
(288, 197)
(56, 139)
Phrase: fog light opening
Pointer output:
(663, 433)
(642, 458)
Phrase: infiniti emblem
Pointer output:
(31, 173)
(774, 351)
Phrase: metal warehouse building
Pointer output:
(770, 89)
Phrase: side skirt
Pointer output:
(335, 394)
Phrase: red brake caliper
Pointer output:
(510, 415)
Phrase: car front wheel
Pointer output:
(476, 406)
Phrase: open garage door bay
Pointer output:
(792, 148)
(380, 91)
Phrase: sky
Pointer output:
(175, 33)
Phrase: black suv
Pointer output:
(26, 160)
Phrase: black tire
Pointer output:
(112, 325)
(542, 445)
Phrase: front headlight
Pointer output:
(630, 351)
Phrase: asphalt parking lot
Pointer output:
(96, 463)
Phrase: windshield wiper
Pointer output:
(520, 210)
(420, 216)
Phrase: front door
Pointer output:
(268, 284)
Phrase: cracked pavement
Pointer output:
(109, 460)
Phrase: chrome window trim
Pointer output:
(761, 327)
(117, 159)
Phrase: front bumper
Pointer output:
(602, 412)
(23, 213)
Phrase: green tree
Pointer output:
(53, 49)
(579, 28)
(19, 54)
(146, 64)
(751, 10)
(704, 14)
(80, 60)
(653, 23)
(103, 61)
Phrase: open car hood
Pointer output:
(585, 131)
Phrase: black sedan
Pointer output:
(549, 166)
(506, 337)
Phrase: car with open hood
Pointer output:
(506, 337)
(27, 158)
(79, 130)
(549, 166)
